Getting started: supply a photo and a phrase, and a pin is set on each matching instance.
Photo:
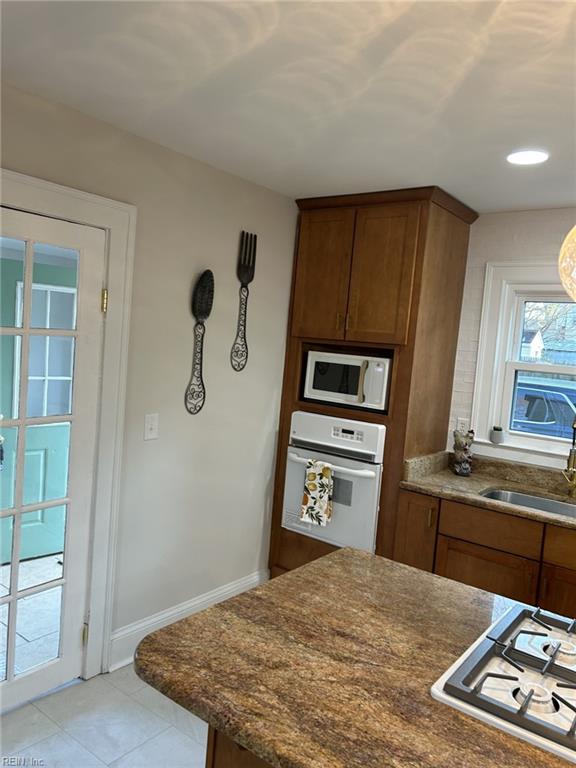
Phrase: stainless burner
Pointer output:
(566, 654)
(539, 698)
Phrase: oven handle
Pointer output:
(341, 470)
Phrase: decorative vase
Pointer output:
(496, 435)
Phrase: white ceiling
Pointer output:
(313, 98)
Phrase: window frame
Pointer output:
(506, 289)
(46, 378)
(49, 289)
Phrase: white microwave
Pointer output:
(353, 380)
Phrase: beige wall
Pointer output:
(196, 502)
(514, 236)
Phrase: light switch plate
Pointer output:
(151, 426)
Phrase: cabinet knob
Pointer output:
(339, 321)
(430, 516)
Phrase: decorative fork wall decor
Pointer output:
(245, 271)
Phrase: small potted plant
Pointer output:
(497, 435)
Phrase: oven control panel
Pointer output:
(332, 434)
(348, 434)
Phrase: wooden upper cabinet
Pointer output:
(383, 264)
(323, 273)
(354, 273)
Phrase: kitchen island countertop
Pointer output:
(330, 666)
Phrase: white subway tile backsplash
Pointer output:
(498, 237)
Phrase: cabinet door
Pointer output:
(323, 273)
(382, 273)
(296, 550)
(558, 590)
(416, 525)
(495, 530)
(560, 546)
(485, 568)
(222, 752)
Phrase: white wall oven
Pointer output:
(347, 379)
(354, 450)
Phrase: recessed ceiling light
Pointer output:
(528, 157)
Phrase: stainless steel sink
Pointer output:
(533, 502)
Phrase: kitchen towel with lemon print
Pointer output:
(317, 500)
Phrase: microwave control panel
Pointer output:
(348, 434)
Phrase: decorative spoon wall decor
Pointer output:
(202, 298)
(245, 272)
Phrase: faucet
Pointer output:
(570, 471)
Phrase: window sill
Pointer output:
(555, 459)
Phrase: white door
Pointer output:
(51, 278)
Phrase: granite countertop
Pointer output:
(330, 666)
(430, 475)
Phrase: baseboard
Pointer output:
(125, 639)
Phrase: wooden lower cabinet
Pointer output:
(558, 590)
(295, 550)
(489, 569)
(560, 547)
(416, 527)
(500, 553)
(224, 753)
(495, 530)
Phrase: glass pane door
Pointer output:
(45, 484)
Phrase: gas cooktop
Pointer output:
(520, 676)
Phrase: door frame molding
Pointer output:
(118, 219)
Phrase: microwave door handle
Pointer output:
(361, 393)
(341, 470)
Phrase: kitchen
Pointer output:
(390, 285)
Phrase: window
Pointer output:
(50, 380)
(50, 356)
(539, 378)
(526, 371)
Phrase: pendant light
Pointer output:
(567, 263)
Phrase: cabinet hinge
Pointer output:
(85, 634)
(104, 301)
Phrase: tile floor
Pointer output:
(38, 623)
(115, 720)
